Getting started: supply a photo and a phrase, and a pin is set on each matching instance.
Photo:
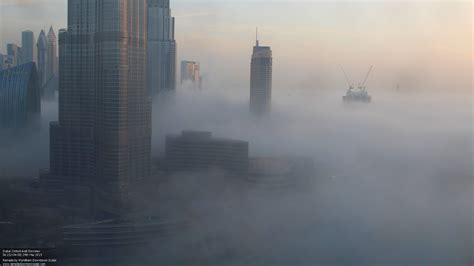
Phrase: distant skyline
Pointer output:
(425, 42)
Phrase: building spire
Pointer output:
(256, 37)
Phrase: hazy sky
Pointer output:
(425, 44)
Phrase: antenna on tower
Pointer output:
(256, 36)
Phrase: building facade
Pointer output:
(261, 80)
(161, 47)
(50, 83)
(103, 135)
(42, 55)
(195, 150)
(190, 71)
(52, 54)
(14, 51)
(20, 100)
(27, 46)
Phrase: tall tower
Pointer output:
(260, 79)
(52, 54)
(161, 47)
(27, 46)
(41, 52)
(103, 135)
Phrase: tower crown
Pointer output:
(256, 37)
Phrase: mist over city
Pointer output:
(278, 133)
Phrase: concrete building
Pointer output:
(261, 79)
(190, 71)
(103, 136)
(161, 70)
(20, 103)
(27, 46)
(14, 51)
(195, 150)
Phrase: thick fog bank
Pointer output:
(24, 151)
(393, 181)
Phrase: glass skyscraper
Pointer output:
(103, 135)
(161, 47)
(261, 79)
(27, 45)
(41, 50)
(20, 103)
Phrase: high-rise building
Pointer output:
(261, 79)
(14, 51)
(42, 55)
(190, 72)
(20, 103)
(27, 46)
(161, 47)
(52, 55)
(196, 150)
(103, 135)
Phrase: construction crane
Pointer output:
(360, 94)
(347, 79)
(366, 77)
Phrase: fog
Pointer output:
(392, 181)
(392, 184)
(24, 151)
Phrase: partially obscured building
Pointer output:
(281, 172)
(14, 51)
(6, 61)
(49, 64)
(161, 50)
(117, 241)
(42, 55)
(27, 46)
(261, 79)
(190, 72)
(20, 98)
(196, 150)
(52, 54)
(103, 136)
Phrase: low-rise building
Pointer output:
(196, 150)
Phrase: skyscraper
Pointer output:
(190, 72)
(27, 46)
(50, 82)
(161, 47)
(14, 51)
(52, 55)
(103, 135)
(20, 103)
(42, 51)
(261, 79)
